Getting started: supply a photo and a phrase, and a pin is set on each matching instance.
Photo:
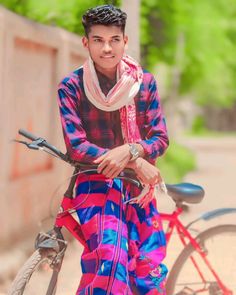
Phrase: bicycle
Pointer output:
(207, 278)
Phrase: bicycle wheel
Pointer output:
(219, 243)
(35, 275)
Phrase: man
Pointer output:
(111, 116)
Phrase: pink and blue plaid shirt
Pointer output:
(90, 132)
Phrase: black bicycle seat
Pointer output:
(186, 192)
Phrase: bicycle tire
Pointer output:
(189, 250)
(24, 274)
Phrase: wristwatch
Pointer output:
(134, 152)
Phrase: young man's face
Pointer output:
(106, 45)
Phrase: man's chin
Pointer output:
(108, 62)
(108, 65)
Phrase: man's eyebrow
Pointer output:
(95, 36)
(100, 37)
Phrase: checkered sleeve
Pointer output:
(78, 147)
(156, 139)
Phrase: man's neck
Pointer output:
(106, 83)
(109, 73)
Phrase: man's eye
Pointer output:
(116, 40)
(97, 40)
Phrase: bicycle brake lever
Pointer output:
(35, 145)
(21, 141)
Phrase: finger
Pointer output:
(102, 166)
(110, 172)
(154, 181)
(116, 173)
(100, 159)
(158, 180)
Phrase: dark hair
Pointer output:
(107, 15)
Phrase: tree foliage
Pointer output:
(207, 62)
(65, 14)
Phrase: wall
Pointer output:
(33, 59)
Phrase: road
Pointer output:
(216, 164)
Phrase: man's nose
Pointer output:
(107, 47)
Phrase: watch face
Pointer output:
(134, 151)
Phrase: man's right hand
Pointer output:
(114, 161)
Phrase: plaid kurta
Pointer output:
(89, 132)
(126, 243)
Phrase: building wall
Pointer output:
(33, 59)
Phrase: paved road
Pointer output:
(216, 164)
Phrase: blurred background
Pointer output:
(190, 47)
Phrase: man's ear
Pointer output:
(126, 42)
(85, 42)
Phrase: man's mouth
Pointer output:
(107, 56)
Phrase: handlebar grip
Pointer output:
(27, 134)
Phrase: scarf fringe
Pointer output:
(148, 193)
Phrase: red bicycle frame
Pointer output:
(184, 234)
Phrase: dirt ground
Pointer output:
(216, 165)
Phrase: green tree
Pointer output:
(18, 6)
(65, 14)
(197, 41)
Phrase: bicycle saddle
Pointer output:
(186, 192)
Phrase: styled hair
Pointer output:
(107, 15)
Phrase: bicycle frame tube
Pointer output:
(183, 233)
(65, 219)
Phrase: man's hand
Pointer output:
(146, 172)
(114, 161)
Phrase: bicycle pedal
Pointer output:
(186, 291)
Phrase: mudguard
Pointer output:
(213, 214)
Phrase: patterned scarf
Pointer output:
(129, 79)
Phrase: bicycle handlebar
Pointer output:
(43, 143)
(193, 193)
